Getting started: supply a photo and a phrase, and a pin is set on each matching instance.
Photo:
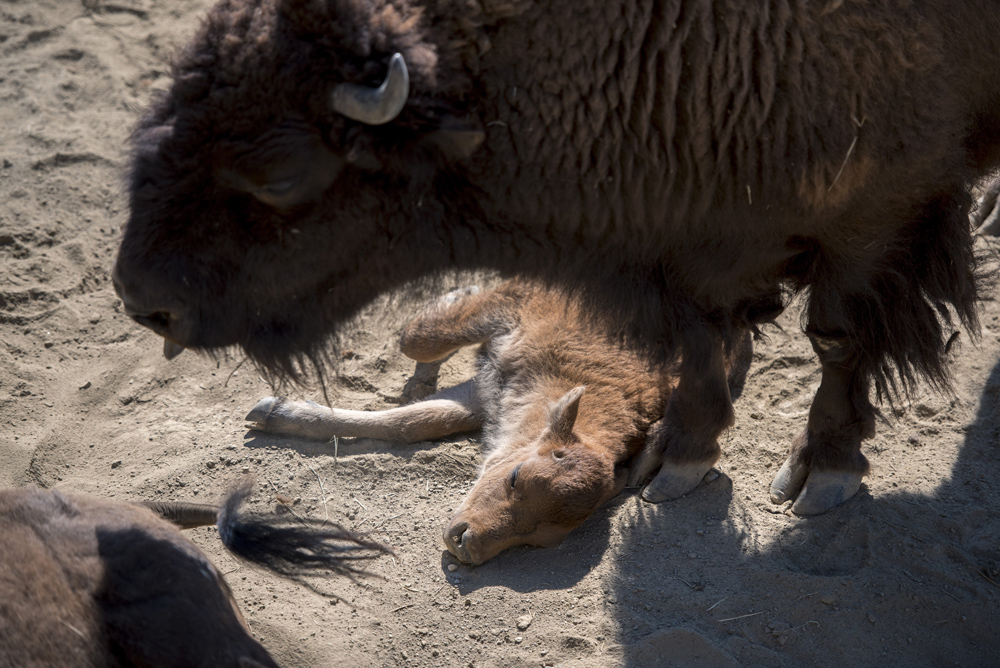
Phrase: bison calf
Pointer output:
(564, 411)
(94, 582)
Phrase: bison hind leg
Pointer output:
(825, 466)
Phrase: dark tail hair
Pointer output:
(291, 547)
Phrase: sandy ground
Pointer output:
(906, 573)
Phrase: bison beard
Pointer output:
(684, 165)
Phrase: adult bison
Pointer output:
(86, 581)
(687, 165)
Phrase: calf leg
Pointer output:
(460, 318)
(450, 411)
(684, 444)
(825, 466)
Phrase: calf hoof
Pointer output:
(815, 492)
(278, 415)
(675, 480)
(260, 415)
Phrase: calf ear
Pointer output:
(562, 416)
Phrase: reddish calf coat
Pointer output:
(564, 411)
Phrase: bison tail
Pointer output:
(292, 546)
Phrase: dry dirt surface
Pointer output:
(906, 573)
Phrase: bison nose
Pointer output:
(163, 321)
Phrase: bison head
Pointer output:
(294, 161)
(535, 495)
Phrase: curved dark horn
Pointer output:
(374, 106)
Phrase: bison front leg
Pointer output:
(825, 466)
(684, 444)
(450, 411)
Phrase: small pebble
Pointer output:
(452, 567)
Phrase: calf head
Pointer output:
(536, 494)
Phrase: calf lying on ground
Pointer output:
(94, 582)
(564, 411)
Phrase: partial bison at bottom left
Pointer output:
(86, 581)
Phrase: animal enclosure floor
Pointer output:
(906, 573)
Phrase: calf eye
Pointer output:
(513, 475)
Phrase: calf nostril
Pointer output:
(457, 533)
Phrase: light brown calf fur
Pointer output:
(563, 409)
(89, 582)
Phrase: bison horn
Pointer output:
(374, 106)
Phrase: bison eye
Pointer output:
(282, 187)
(513, 475)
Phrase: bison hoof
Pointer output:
(815, 492)
(676, 480)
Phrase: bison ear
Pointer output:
(456, 139)
(562, 416)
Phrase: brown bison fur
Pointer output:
(684, 165)
(95, 582)
(563, 409)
